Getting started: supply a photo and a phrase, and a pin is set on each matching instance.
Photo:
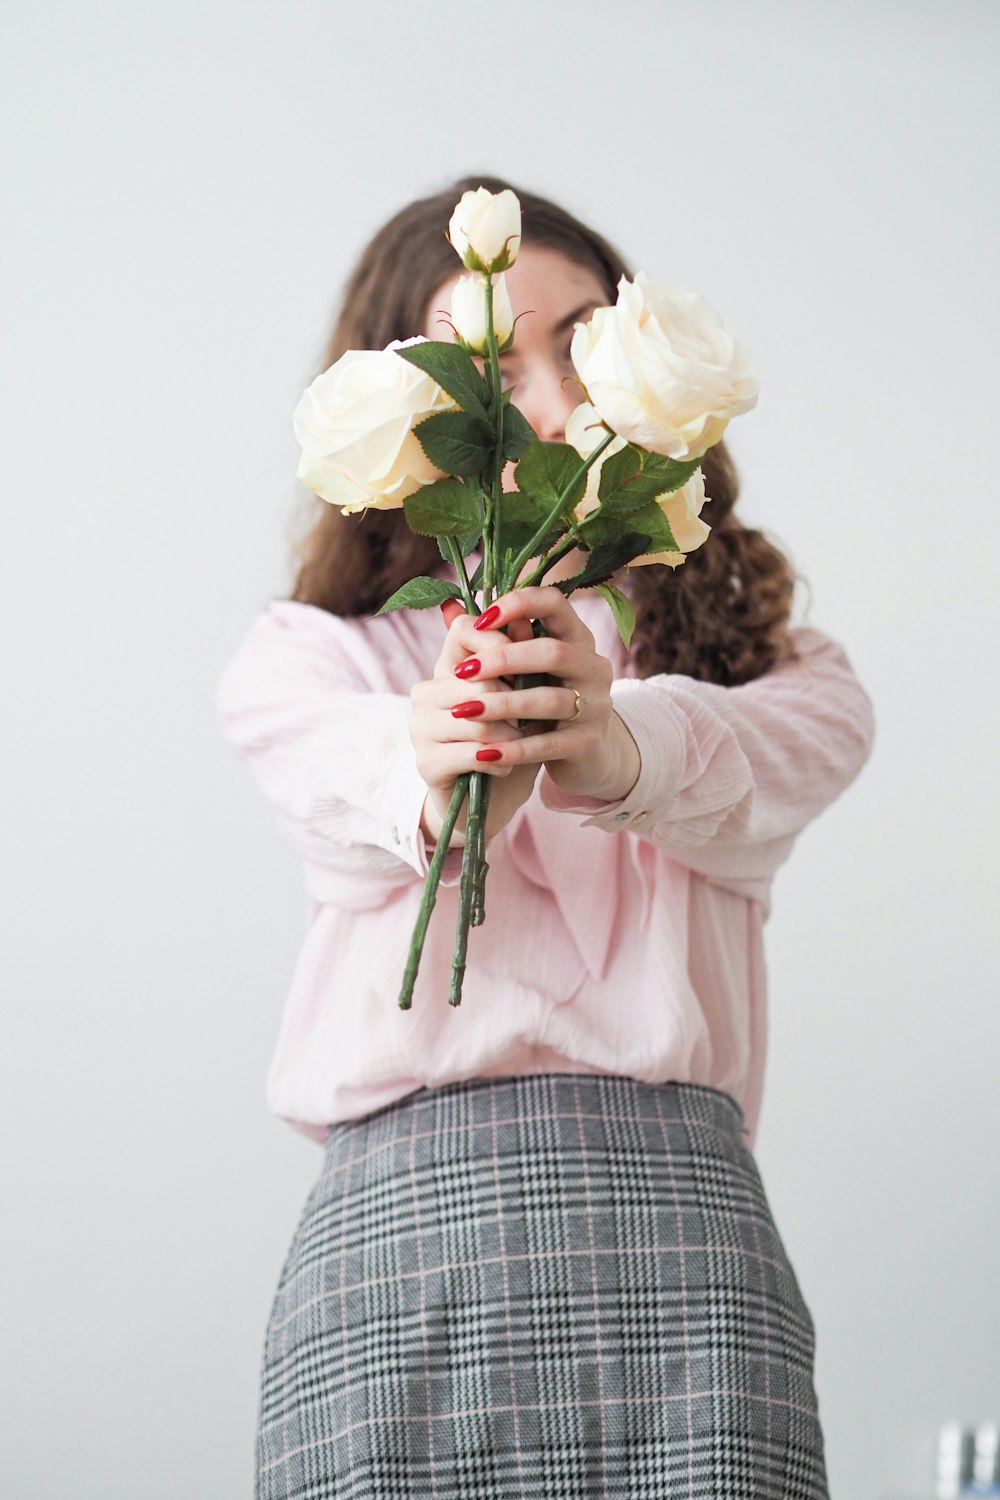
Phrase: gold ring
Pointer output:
(581, 704)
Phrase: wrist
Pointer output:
(623, 762)
(432, 818)
(611, 776)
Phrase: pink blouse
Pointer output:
(620, 937)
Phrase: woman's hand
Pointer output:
(452, 719)
(584, 745)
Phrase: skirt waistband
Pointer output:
(481, 1117)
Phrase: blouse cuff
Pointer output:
(402, 807)
(659, 737)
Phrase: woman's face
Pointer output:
(553, 292)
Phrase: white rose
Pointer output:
(355, 423)
(662, 370)
(682, 508)
(485, 229)
(468, 312)
(584, 431)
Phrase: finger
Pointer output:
(444, 709)
(462, 641)
(519, 630)
(450, 609)
(457, 675)
(476, 730)
(528, 750)
(544, 603)
(453, 760)
(498, 707)
(496, 656)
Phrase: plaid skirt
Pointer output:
(554, 1285)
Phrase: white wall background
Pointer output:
(191, 184)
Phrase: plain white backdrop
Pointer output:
(192, 183)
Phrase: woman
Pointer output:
(538, 1259)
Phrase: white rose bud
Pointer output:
(468, 312)
(682, 508)
(485, 229)
(355, 423)
(662, 370)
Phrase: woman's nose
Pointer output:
(546, 397)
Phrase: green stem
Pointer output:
(429, 895)
(530, 549)
(472, 886)
(452, 548)
(553, 557)
(479, 898)
(496, 397)
(488, 567)
(471, 860)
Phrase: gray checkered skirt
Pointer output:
(554, 1285)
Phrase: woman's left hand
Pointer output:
(587, 750)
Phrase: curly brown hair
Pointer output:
(721, 617)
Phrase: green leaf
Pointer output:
(476, 581)
(632, 477)
(617, 470)
(445, 508)
(545, 471)
(520, 509)
(469, 541)
(606, 559)
(674, 472)
(518, 433)
(421, 593)
(454, 370)
(606, 524)
(652, 520)
(520, 516)
(456, 442)
(466, 544)
(621, 608)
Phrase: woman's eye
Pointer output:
(508, 374)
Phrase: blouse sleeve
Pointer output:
(331, 755)
(729, 776)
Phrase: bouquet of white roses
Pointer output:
(420, 426)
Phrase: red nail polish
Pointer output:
(488, 618)
(469, 667)
(468, 710)
(489, 754)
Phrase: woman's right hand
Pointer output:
(446, 741)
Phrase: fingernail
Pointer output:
(469, 667)
(489, 754)
(488, 618)
(467, 710)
